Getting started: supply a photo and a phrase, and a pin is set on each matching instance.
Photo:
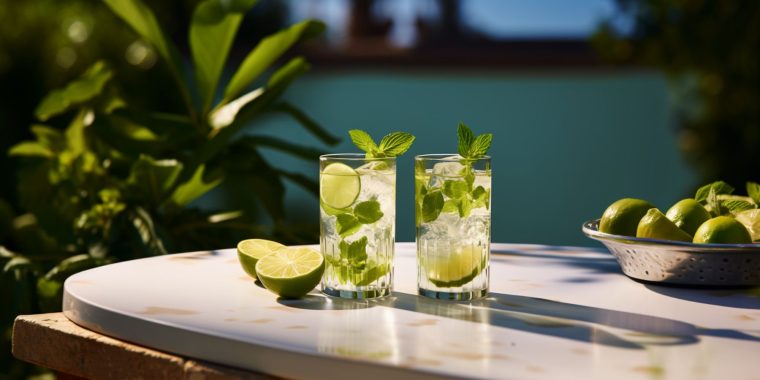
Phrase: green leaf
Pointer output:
(347, 224)
(144, 22)
(464, 207)
(143, 223)
(432, 204)
(193, 189)
(355, 252)
(455, 189)
(753, 190)
(81, 90)
(212, 31)
(50, 286)
(450, 205)
(396, 143)
(306, 153)
(363, 141)
(152, 179)
(49, 137)
(480, 145)
(267, 52)
(734, 205)
(368, 212)
(30, 149)
(481, 197)
(372, 272)
(306, 122)
(714, 204)
(16, 263)
(466, 139)
(718, 187)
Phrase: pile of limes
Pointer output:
(687, 220)
(289, 272)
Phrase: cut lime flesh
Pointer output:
(250, 251)
(291, 272)
(455, 269)
(339, 185)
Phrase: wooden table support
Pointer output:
(53, 341)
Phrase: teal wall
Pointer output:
(565, 144)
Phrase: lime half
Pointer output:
(291, 272)
(454, 269)
(655, 225)
(751, 220)
(251, 251)
(339, 185)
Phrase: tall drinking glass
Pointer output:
(453, 218)
(357, 224)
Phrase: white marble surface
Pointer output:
(553, 312)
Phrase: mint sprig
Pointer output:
(393, 144)
(472, 147)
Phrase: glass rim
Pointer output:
(352, 157)
(448, 157)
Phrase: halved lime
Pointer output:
(455, 268)
(339, 185)
(251, 251)
(722, 230)
(654, 225)
(751, 220)
(291, 272)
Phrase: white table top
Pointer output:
(553, 312)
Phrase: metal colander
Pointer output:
(681, 263)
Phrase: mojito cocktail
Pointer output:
(453, 218)
(357, 224)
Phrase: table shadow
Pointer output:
(739, 297)
(593, 264)
(540, 316)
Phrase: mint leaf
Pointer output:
(736, 205)
(466, 139)
(396, 144)
(465, 207)
(368, 212)
(363, 141)
(753, 190)
(715, 206)
(357, 251)
(347, 224)
(480, 146)
(719, 187)
(369, 276)
(432, 204)
(481, 197)
(451, 205)
(454, 189)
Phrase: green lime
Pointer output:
(751, 221)
(622, 217)
(291, 272)
(722, 230)
(454, 268)
(251, 251)
(654, 225)
(339, 185)
(688, 215)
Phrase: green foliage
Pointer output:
(709, 50)
(393, 144)
(119, 181)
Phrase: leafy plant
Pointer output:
(119, 181)
(709, 51)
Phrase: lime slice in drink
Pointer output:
(456, 268)
(339, 185)
(291, 272)
(251, 251)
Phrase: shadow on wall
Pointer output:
(565, 145)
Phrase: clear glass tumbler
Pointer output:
(453, 219)
(357, 224)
